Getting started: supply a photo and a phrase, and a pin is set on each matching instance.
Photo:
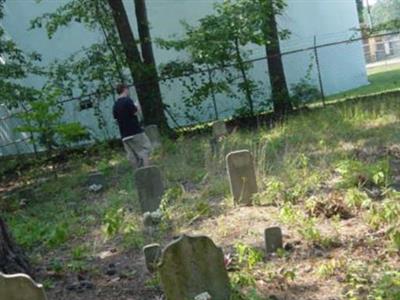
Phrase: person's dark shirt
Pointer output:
(124, 112)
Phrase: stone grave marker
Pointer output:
(96, 178)
(154, 136)
(219, 129)
(20, 287)
(273, 239)
(191, 266)
(150, 186)
(215, 147)
(203, 296)
(242, 176)
(152, 254)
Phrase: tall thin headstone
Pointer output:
(154, 136)
(150, 187)
(242, 176)
(20, 287)
(191, 266)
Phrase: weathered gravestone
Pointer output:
(242, 176)
(20, 287)
(96, 178)
(273, 239)
(153, 134)
(152, 254)
(219, 129)
(150, 186)
(191, 266)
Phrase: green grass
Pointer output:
(320, 161)
(383, 78)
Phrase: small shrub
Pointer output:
(113, 221)
(356, 173)
(303, 93)
(355, 198)
(248, 256)
(58, 235)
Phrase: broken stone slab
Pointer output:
(242, 176)
(95, 188)
(150, 187)
(219, 129)
(203, 296)
(20, 287)
(191, 265)
(154, 136)
(273, 239)
(152, 254)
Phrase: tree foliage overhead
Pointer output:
(35, 112)
(385, 11)
(224, 38)
(15, 65)
(92, 69)
(99, 67)
(384, 16)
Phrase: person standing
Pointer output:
(136, 143)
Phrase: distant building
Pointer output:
(329, 22)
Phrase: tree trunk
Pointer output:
(157, 109)
(280, 93)
(360, 10)
(246, 82)
(12, 259)
(151, 103)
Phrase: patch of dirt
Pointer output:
(118, 276)
(247, 225)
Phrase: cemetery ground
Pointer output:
(328, 177)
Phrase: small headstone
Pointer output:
(153, 134)
(192, 265)
(150, 186)
(219, 129)
(152, 254)
(20, 287)
(96, 178)
(273, 239)
(242, 176)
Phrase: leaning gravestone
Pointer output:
(154, 136)
(152, 254)
(219, 129)
(150, 186)
(20, 287)
(191, 266)
(242, 176)
(273, 239)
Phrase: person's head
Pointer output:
(122, 90)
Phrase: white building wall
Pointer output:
(342, 66)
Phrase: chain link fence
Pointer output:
(314, 68)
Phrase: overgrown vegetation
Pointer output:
(328, 177)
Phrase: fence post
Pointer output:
(210, 80)
(321, 86)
